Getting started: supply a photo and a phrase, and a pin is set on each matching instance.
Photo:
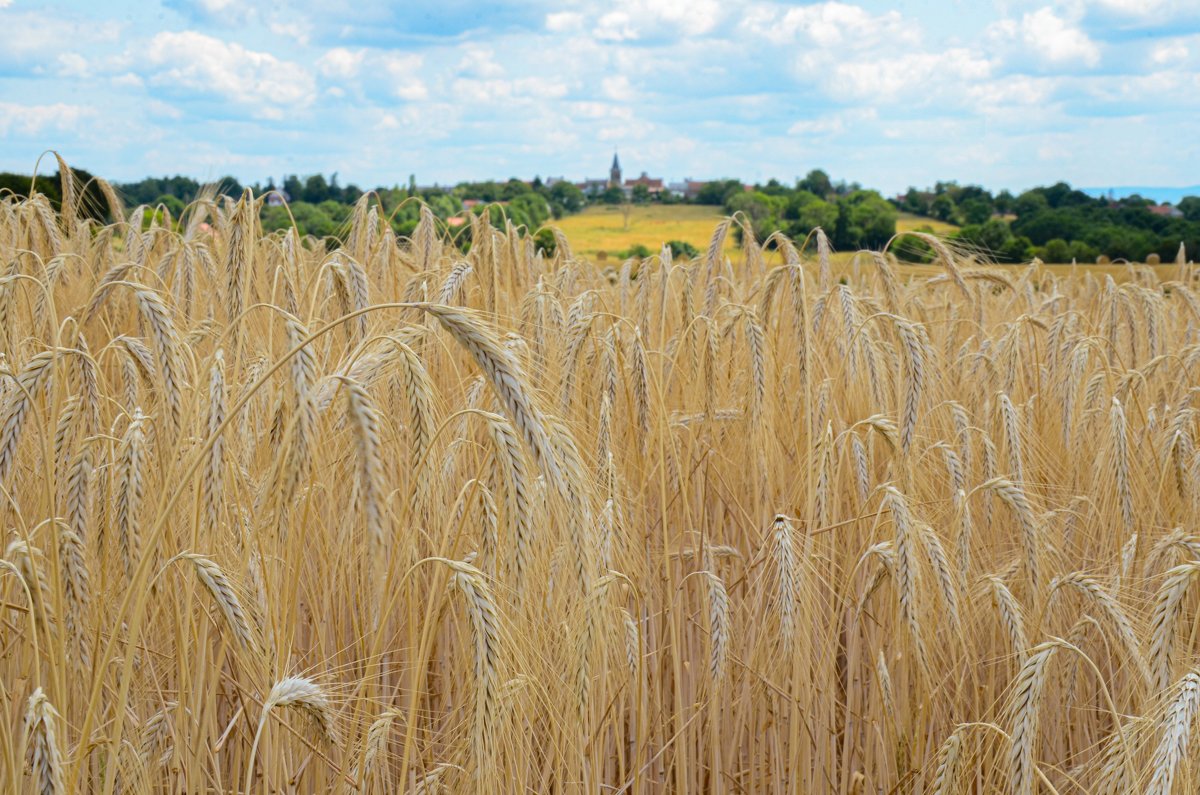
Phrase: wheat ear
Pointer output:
(1168, 605)
(303, 695)
(42, 748)
(1176, 734)
(221, 589)
(1026, 709)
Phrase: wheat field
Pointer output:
(394, 518)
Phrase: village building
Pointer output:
(654, 185)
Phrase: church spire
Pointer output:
(614, 174)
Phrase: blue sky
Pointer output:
(1010, 94)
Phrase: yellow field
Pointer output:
(907, 222)
(602, 229)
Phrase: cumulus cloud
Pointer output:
(1056, 40)
(829, 25)
(27, 36)
(629, 20)
(72, 64)
(1169, 52)
(402, 71)
(34, 120)
(522, 89)
(617, 88)
(616, 26)
(833, 124)
(1139, 8)
(195, 62)
(340, 63)
(908, 76)
(292, 28)
(601, 111)
(563, 21)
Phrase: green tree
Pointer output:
(1030, 203)
(569, 196)
(174, 205)
(774, 188)
(682, 249)
(806, 211)
(530, 210)
(512, 189)
(1055, 251)
(915, 202)
(544, 239)
(976, 210)
(316, 190)
(816, 182)
(913, 249)
(865, 220)
(719, 191)
(943, 208)
(763, 212)
(612, 195)
(1190, 207)
(1082, 252)
(640, 194)
(293, 187)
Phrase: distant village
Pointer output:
(655, 186)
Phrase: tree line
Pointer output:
(1058, 223)
(1055, 223)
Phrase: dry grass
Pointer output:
(391, 518)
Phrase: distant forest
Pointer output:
(1055, 223)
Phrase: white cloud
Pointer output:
(402, 76)
(35, 120)
(340, 63)
(163, 109)
(1054, 39)
(926, 76)
(224, 12)
(72, 64)
(1169, 52)
(479, 61)
(691, 17)
(629, 20)
(828, 25)
(617, 88)
(298, 29)
(615, 26)
(5, 3)
(128, 80)
(206, 65)
(523, 89)
(27, 36)
(833, 124)
(563, 21)
(1139, 8)
(601, 111)
(1012, 93)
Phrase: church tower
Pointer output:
(614, 174)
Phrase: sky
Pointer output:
(1008, 94)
